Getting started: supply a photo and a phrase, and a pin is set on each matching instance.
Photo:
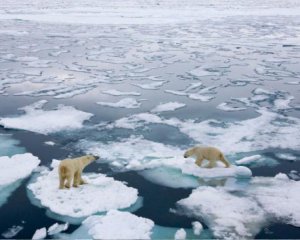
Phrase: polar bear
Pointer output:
(71, 169)
(211, 154)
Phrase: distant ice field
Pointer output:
(137, 83)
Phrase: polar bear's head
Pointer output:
(190, 152)
(89, 158)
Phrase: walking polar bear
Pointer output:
(71, 169)
(211, 154)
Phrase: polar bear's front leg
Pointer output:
(199, 161)
(81, 181)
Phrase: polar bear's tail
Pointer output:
(224, 160)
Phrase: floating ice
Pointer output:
(118, 225)
(256, 161)
(115, 92)
(59, 91)
(170, 106)
(197, 227)
(57, 228)
(228, 216)
(202, 72)
(123, 103)
(180, 234)
(226, 107)
(17, 167)
(42, 121)
(217, 172)
(286, 156)
(196, 91)
(279, 197)
(83, 201)
(40, 234)
(12, 232)
(245, 211)
(50, 143)
(150, 86)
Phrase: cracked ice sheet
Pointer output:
(36, 119)
(244, 214)
(69, 202)
(159, 163)
(13, 170)
(268, 130)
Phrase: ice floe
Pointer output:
(150, 86)
(256, 161)
(170, 106)
(180, 234)
(115, 92)
(82, 201)
(17, 167)
(287, 156)
(242, 213)
(36, 119)
(40, 234)
(197, 227)
(123, 103)
(118, 225)
(12, 232)
(57, 228)
(226, 107)
(228, 216)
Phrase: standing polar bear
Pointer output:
(71, 169)
(211, 154)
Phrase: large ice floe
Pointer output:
(124, 225)
(157, 162)
(36, 119)
(13, 170)
(233, 213)
(101, 194)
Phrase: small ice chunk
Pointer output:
(115, 92)
(286, 156)
(123, 103)
(180, 234)
(50, 143)
(12, 232)
(150, 86)
(57, 228)
(227, 108)
(248, 160)
(40, 234)
(281, 176)
(119, 225)
(197, 227)
(42, 121)
(17, 167)
(170, 106)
